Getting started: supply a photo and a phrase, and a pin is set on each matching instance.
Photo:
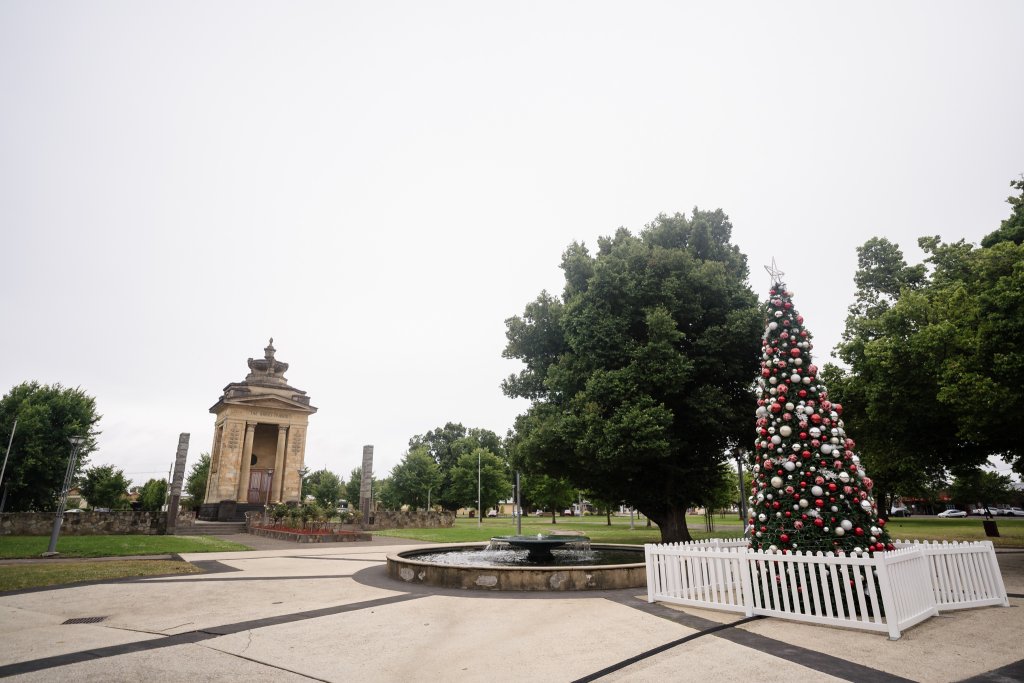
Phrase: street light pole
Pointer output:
(479, 512)
(75, 441)
(428, 497)
(743, 497)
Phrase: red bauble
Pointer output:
(858, 531)
(795, 353)
(818, 502)
(881, 522)
(784, 538)
(819, 522)
(803, 393)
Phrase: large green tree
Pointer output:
(549, 493)
(416, 480)
(936, 364)
(980, 487)
(47, 415)
(195, 482)
(449, 443)
(153, 494)
(486, 468)
(639, 375)
(325, 486)
(105, 486)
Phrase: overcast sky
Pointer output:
(379, 185)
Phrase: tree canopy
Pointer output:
(417, 479)
(105, 486)
(325, 486)
(936, 373)
(47, 416)
(639, 374)
(486, 468)
(446, 445)
(153, 494)
(195, 482)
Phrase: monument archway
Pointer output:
(259, 442)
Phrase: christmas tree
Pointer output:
(809, 492)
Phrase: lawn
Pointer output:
(36, 574)
(912, 528)
(112, 546)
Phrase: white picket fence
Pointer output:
(887, 592)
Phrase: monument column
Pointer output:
(243, 476)
(278, 481)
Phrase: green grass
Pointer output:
(596, 527)
(37, 574)
(113, 546)
(1011, 530)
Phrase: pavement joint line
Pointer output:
(266, 664)
(191, 637)
(814, 660)
(221, 579)
(661, 648)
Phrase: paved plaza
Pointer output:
(330, 613)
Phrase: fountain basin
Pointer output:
(410, 566)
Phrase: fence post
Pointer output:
(892, 618)
(651, 558)
(746, 582)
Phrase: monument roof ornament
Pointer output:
(267, 370)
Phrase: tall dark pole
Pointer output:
(743, 492)
(519, 509)
(75, 441)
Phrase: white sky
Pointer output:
(379, 185)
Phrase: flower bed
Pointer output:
(328, 535)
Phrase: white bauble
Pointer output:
(761, 411)
(773, 325)
(776, 440)
(840, 531)
(805, 380)
(815, 432)
(789, 466)
(817, 490)
(785, 430)
(846, 524)
(826, 448)
(865, 505)
(844, 477)
(762, 517)
(776, 482)
(804, 503)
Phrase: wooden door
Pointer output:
(259, 486)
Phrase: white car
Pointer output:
(1014, 512)
(952, 513)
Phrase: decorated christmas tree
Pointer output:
(809, 492)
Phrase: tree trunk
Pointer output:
(608, 514)
(672, 522)
(553, 516)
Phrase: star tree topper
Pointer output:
(774, 271)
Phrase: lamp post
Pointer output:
(743, 498)
(303, 471)
(428, 497)
(76, 442)
(479, 512)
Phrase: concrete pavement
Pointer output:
(330, 613)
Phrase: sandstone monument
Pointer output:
(259, 442)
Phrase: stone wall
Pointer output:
(394, 519)
(84, 523)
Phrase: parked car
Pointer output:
(952, 513)
(1014, 512)
(899, 511)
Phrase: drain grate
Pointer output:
(84, 620)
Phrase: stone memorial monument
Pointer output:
(259, 442)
